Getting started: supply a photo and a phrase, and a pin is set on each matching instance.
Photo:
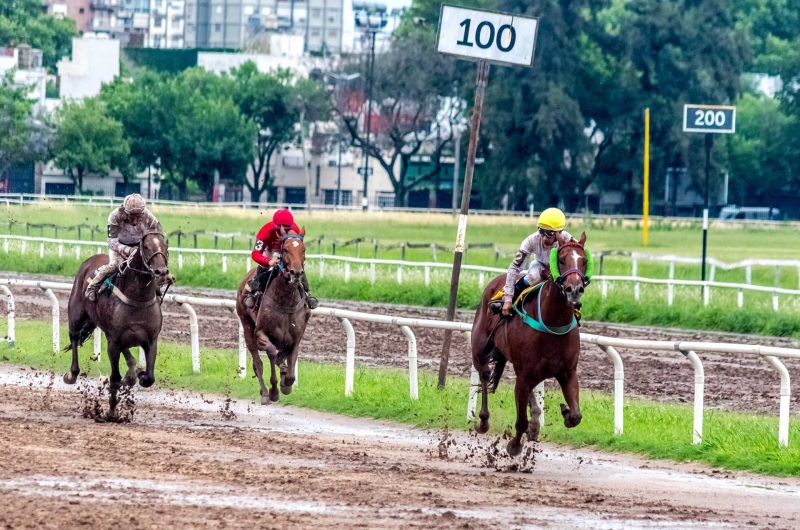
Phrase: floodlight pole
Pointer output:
(474, 135)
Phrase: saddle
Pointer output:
(518, 302)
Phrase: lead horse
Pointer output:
(278, 322)
(542, 342)
(129, 317)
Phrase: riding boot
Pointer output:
(255, 286)
(97, 281)
(311, 302)
(520, 285)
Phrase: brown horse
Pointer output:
(536, 355)
(278, 323)
(129, 317)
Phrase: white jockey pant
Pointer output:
(532, 275)
(114, 259)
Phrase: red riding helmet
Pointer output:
(283, 217)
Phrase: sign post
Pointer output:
(485, 37)
(711, 120)
(646, 202)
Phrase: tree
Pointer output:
(88, 141)
(22, 22)
(266, 100)
(415, 108)
(22, 139)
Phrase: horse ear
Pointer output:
(583, 239)
(302, 231)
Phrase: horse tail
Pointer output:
(82, 336)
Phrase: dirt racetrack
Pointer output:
(184, 464)
(733, 382)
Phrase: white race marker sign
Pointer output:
(716, 119)
(486, 36)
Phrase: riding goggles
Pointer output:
(547, 233)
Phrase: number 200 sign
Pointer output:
(709, 119)
(486, 36)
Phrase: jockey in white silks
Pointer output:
(538, 245)
(130, 222)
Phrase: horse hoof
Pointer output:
(482, 427)
(564, 410)
(571, 421)
(129, 380)
(514, 448)
(265, 400)
(533, 435)
(146, 381)
(70, 378)
(286, 390)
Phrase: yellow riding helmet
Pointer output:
(552, 219)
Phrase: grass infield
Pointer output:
(653, 430)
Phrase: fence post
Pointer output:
(775, 301)
(748, 273)
(5, 247)
(427, 275)
(635, 264)
(195, 336)
(399, 274)
(60, 249)
(56, 329)
(78, 252)
(777, 276)
(604, 285)
(403, 251)
(713, 273)
(142, 357)
(433, 251)
(321, 268)
(619, 382)
(346, 271)
(538, 395)
(350, 359)
(372, 272)
(202, 260)
(24, 246)
(224, 263)
(699, 385)
(786, 393)
(672, 270)
(180, 260)
(41, 250)
(97, 343)
(11, 315)
(242, 352)
(706, 294)
(412, 362)
(481, 279)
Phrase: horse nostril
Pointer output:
(569, 289)
(581, 290)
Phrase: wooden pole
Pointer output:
(474, 134)
(646, 206)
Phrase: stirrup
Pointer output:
(496, 306)
(312, 302)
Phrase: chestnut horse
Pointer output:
(536, 355)
(277, 324)
(129, 317)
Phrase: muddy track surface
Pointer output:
(190, 461)
(733, 382)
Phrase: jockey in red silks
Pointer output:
(267, 253)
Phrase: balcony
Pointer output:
(104, 5)
(103, 26)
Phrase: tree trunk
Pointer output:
(80, 181)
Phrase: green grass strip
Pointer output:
(652, 429)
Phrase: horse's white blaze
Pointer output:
(576, 257)
(295, 244)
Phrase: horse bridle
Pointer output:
(559, 280)
(147, 261)
(281, 262)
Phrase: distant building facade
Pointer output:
(95, 61)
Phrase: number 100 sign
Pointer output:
(709, 119)
(486, 36)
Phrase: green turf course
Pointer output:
(654, 430)
(728, 244)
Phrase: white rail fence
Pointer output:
(607, 344)
(350, 267)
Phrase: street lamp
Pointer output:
(370, 18)
(343, 78)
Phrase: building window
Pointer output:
(346, 197)
(266, 11)
(176, 23)
(249, 10)
(316, 13)
(217, 27)
(159, 3)
(333, 33)
(80, 11)
(219, 10)
(315, 32)
(157, 22)
(385, 199)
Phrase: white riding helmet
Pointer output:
(134, 204)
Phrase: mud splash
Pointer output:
(225, 411)
(480, 452)
(94, 402)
